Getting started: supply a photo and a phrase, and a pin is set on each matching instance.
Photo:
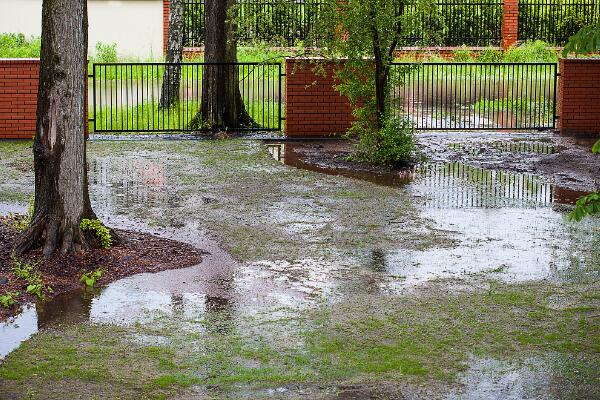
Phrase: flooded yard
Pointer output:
(459, 278)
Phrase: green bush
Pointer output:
(392, 146)
(537, 51)
(17, 45)
(106, 53)
(490, 55)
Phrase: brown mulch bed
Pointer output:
(138, 253)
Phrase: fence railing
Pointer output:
(457, 23)
(126, 97)
(472, 22)
(271, 21)
(475, 96)
(554, 21)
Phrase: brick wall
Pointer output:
(579, 97)
(313, 106)
(18, 98)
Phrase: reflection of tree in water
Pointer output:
(68, 308)
(377, 262)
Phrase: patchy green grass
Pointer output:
(405, 339)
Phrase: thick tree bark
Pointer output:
(172, 75)
(222, 103)
(61, 182)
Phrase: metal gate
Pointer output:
(476, 96)
(126, 97)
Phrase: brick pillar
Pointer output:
(510, 23)
(579, 97)
(166, 12)
(18, 98)
(313, 106)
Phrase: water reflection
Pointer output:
(450, 184)
(119, 184)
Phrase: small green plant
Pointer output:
(90, 278)
(21, 269)
(101, 232)
(8, 299)
(28, 272)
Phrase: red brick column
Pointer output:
(579, 97)
(510, 23)
(313, 106)
(18, 98)
(166, 11)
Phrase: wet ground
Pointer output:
(454, 279)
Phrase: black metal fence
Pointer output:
(475, 96)
(126, 97)
(272, 21)
(554, 21)
(457, 23)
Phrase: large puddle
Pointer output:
(511, 227)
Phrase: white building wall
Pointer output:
(135, 25)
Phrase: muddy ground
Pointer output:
(138, 253)
(456, 280)
(563, 161)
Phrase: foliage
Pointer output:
(90, 278)
(537, 51)
(8, 299)
(101, 232)
(590, 204)
(586, 41)
(391, 146)
(106, 53)
(17, 45)
(29, 273)
(490, 55)
(366, 34)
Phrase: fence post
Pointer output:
(579, 97)
(510, 23)
(166, 11)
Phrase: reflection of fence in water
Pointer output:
(456, 185)
(120, 184)
(475, 95)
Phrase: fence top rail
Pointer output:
(186, 63)
(477, 63)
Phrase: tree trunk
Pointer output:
(222, 103)
(61, 182)
(172, 75)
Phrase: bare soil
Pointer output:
(139, 253)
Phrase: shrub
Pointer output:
(392, 146)
(17, 45)
(106, 52)
(537, 51)
(490, 55)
